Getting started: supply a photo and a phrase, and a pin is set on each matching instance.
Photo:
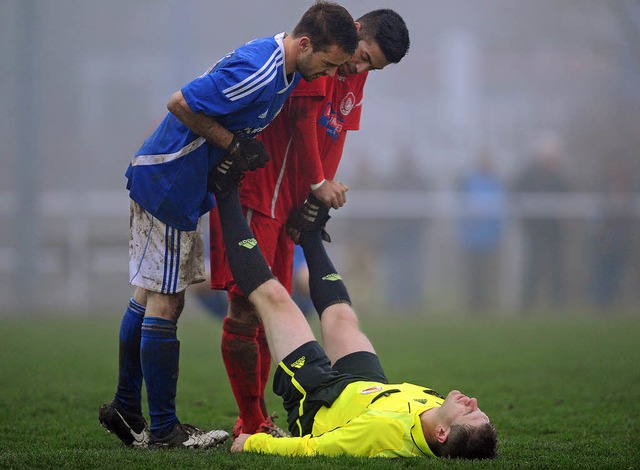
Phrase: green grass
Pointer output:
(563, 392)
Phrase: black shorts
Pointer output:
(306, 381)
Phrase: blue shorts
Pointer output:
(306, 381)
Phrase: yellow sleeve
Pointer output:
(373, 434)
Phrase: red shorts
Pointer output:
(275, 244)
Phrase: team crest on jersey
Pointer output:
(348, 103)
(332, 277)
(372, 389)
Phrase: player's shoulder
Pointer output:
(259, 52)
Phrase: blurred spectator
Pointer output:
(402, 245)
(481, 230)
(611, 237)
(543, 233)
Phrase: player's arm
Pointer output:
(332, 192)
(199, 123)
(366, 436)
(303, 111)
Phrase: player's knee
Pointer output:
(341, 314)
(167, 306)
(275, 294)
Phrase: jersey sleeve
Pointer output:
(303, 112)
(225, 89)
(331, 158)
(369, 435)
(206, 94)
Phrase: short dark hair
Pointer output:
(469, 442)
(328, 24)
(389, 30)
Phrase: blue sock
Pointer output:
(129, 389)
(160, 355)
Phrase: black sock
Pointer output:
(325, 284)
(248, 266)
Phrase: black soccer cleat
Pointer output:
(224, 177)
(312, 216)
(129, 427)
(186, 436)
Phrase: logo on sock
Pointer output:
(249, 243)
(299, 363)
(332, 277)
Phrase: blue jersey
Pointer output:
(244, 91)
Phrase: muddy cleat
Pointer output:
(237, 428)
(312, 216)
(244, 154)
(186, 436)
(129, 427)
(268, 426)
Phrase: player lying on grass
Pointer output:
(338, 400)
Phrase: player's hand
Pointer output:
(238, 443)
(332, 193)
(247, 153)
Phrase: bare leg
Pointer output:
(284, 323)
(341, 334)
(166, 306)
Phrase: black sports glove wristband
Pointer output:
(250, 153)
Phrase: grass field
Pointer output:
(563, 392)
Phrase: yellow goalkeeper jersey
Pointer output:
(369, 419)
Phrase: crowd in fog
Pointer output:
(567, 256)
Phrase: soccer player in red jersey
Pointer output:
(305, 143)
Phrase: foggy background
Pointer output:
(84, 82)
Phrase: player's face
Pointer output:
(460, 409)
(312, 65)
(367, 57)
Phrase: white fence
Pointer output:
(82, 235)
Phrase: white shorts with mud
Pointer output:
(162, 258)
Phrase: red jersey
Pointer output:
(305, 142)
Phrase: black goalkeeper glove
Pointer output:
(247, 154)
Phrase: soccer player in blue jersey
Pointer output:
(205, 141)
(338, 398)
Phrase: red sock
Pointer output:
(240, 356)
(265, 366)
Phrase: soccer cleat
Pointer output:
(129, 427)
(186, 436)
(244, 154)
(223, 178)
(237, 428)
(268, 426)
(313, 215)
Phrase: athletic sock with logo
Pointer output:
(160, 356)
(128, 393)
(325, 284)
(248, 266)
(241, 359)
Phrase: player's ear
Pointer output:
(358, 26)
(304, 43)
(442, 433)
